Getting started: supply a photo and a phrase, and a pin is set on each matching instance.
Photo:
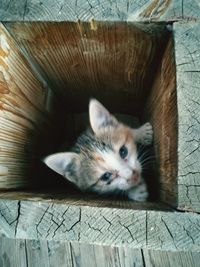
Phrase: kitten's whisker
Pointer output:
(145, 153)
(150, 162)
(147, 158)
(148, 166)
(141, 148)
(141, 160)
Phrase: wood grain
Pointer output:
(188, 98)
(161, 110)
(166, 259)
(12, 253)
(147, 10)
(27, 108)
(79, 60)
(157, 230)
(74, 197)
(9, 213)
(18, 113)
(34, 253)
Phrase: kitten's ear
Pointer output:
(63, 163)
(100, 117)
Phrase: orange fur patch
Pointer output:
(98, 158)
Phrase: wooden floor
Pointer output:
(43, 253)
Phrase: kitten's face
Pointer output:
(116, 167)
(107, 160)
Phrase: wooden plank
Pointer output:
(113, 226)
(74, 197)
(116, 10)
(12, 10)
(13, 253)
(27, 106)
(159, 230)
(161, 111)
(80, 60)
(173, 231)
(61, 254)
(9, 213)
(186, 38)
(37, 253)
(108, 256)
(153, 258)
(24, 253)
(54, 221)
(62, 222)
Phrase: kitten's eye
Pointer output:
(105, 177)
(123, 152)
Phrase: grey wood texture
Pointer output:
(73, 10)
(43, 253)
(159, 230)
(187, 39)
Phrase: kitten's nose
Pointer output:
(134, 177)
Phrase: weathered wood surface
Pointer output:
(100, 59)
(74, 197)
(158, 230)
(187, 53)
(161, 111)
(27, 107)
(153, 10)
(19, 90)
(36, 253)
(23, 108)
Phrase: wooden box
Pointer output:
(58, 67)
(138, 60)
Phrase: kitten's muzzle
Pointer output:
(135, 178)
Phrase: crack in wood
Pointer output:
(6, 220)
(25, 9)
(146, 227)
(189, 173)
(26, 253)
(73, 225)
(38, 224)
(71, 254)
(143, 258)
(127, 228)
(95, 229)
(188, 234)
(18, 216)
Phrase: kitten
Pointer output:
(104, 158)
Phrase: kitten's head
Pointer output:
(106, 160)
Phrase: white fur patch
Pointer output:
(59, 161)
(115, 163)
(138, 193)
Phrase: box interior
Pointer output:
(49, 71)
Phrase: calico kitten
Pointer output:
(105, 158)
